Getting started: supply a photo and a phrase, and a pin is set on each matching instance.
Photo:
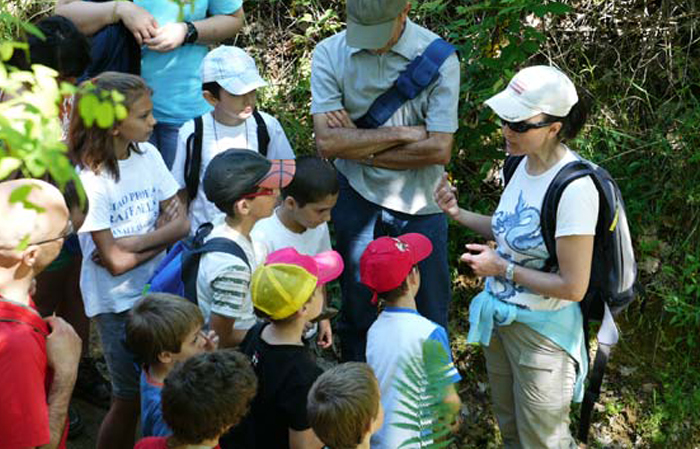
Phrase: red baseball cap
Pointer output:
(387, 261)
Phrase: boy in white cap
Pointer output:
(230, 80)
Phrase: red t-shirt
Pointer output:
(155, 443)
(25, 378)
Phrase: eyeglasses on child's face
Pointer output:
(523, 126)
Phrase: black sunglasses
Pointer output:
(523, 127)
(67, 231)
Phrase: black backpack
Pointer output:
(612, 285)
(193, 160)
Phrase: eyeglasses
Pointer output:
(64, 234)
(523, 127)
(262, 192)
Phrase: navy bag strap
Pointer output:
(217, 244)
(509, 165)
(417, 75)
(193, 160)
(263, 135)
(568, 174)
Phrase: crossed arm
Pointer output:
(392, 147)
(91, 17)
(123, 254)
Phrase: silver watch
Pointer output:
(510, 271)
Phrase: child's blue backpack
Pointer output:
(177, 273)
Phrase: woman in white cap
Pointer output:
(527, 318)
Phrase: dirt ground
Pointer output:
(92, 417)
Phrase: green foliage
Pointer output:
(31, 135)
(30, 132)
(495, 38)
(422, 390)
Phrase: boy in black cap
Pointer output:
(245, 186)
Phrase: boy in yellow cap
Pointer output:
(287, 290)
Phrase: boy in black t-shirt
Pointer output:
(287, 290)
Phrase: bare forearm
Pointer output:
(228, 336)
(164, 236)
(481, 224)
(359, 144)
(435, 150)
(548, 284)
(88, 17)
(119, 262)
(218, 28)
(59, 398)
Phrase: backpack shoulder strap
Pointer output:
(509, 166)
(224, 245)
(263, 135)
(548, 216)
(417, 75)
(190, 270)
(193, 161)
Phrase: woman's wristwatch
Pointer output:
(510, 271)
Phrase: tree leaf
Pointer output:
(120, 112)
(105, 115)
(8, 165)
(87, 106)
(20, 194)
(6, 50)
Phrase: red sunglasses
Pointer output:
(264, 191)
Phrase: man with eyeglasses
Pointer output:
(39, 357)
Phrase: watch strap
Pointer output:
(192, 33)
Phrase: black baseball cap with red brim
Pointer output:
(235, 173)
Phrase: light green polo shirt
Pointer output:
(348, 78)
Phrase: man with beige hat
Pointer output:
(385, 95)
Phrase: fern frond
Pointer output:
(422, 387)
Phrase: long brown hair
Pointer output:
(93, 147)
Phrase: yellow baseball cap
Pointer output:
(287, 279)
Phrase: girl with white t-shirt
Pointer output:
(134, 214)
(528, 319)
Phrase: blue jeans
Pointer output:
(164, 138)
(124, 370)
(357, 222)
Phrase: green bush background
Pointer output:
(639, 63)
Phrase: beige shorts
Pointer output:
(532, 384)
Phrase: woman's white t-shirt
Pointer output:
(128, 207)
(516, 227)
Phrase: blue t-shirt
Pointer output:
(152, 424)
(175, 76)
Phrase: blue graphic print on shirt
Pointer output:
(134, 213)
(521, 231)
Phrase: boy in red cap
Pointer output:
(389, 267)
(287, 290)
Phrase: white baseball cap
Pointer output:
(233, 69)
(535, 90)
